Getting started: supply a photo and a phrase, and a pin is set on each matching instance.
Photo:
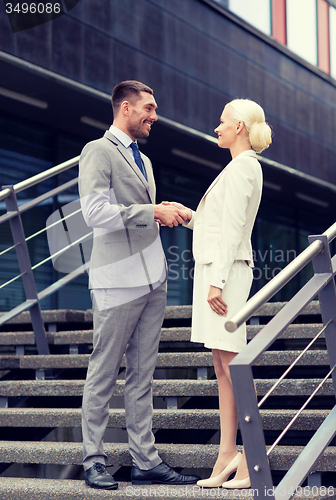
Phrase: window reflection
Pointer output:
(255, 12)
(302, 28)
(332, 14)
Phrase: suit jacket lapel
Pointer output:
(150, 184)
(122, 150)
(214, 182)
(246, 153)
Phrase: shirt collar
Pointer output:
(121, 136)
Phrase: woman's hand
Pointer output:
(216, 302)
(187, 213)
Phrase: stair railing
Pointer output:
(13, 216)
(250, 424)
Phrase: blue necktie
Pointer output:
(137, 159)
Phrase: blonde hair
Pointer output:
(253, 116)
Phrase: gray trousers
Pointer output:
(134, 329)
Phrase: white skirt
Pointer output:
(207, 326)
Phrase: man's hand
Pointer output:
(187, 213)
(169, 215)
(216, 302)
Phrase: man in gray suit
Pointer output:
(128, 282)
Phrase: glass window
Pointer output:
(255, 12)
(302, 28)
(25, 150)
(333, 41)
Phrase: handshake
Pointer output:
(171, 213)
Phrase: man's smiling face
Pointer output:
(142, 116)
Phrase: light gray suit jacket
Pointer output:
(117, 202)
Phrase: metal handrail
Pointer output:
(40, 232)
(248, 409)
(59, 221)
(279, 281)
(63, 250)
(289, 425)
(296, 360)
(13, 216)
(9, 249)
(12, 280)
(43, 176)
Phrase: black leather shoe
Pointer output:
(98, 477)
(161, 474)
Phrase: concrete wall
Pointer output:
(196, 59)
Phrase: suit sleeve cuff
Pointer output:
(190, 223)
(218, 283)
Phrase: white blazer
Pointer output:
(225, 216)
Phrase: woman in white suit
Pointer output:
(222, 250)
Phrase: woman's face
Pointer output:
(227, 130)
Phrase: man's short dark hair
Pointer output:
(129, 90)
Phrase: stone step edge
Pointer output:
(195, 456)
(171, 312)
(316, 357)
(162, 419)
(173, 334)
(162, 388)
(14, 488)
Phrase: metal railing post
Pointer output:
(251, 428)
(327, 298)
(250, 423)
(28, 280)
(305, 463)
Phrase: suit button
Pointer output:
(223, 281)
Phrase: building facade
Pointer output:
(55, 85)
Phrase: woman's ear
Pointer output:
(240, 126)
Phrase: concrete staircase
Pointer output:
(40, 399)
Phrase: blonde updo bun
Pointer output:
(249, 112)
(260, 136)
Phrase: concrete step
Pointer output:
(296, 331)
(164, 360)
(54, 338)
(78, 316)
(196, 456)
(13, 488)
(172, 312)
(162, 419)
(292, 332)
(176, 334)
(164, 388)
(50, 317)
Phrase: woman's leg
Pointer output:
(227, 409)
(228, 415)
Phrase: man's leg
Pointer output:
(112, 330)
(141, 355)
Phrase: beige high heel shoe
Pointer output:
(237, 484)
(216, 481)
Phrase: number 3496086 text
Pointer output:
(33, 8)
